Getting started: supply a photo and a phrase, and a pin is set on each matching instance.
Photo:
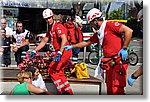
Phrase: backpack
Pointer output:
(74, 34)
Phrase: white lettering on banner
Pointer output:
(12, 3)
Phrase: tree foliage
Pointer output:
(116, 14)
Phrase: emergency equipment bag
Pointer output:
(74, 34)
(81, 70)
(105, 63)
(108, 62)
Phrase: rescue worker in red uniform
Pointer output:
(57, 35)
(109, 35)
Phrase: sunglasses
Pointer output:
(47, 18)
(3, 23)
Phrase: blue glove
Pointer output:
(123, 53)
(131, 80)
(68, 47)
(32, 54)
(57, 58)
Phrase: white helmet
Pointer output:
(93, 13)
(140, 15)
(47, 13)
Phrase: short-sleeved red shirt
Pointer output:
(112, 42)
(54, 33)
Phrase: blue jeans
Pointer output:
(18, 54)
(75, 52)
(6, 59)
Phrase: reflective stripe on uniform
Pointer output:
(62, 85)
(74, 58)
(24, 52)
(57, 81)
(23, 56)
(68, 88)
(65, 83)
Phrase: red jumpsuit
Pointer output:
(56, 69)
(112, 43)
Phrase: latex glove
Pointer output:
(131, 80)
(57, 58)
(68, 47)
(123, 53)
(32, 54)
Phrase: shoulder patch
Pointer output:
(59, 31)
(117, 24)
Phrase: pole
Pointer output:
(47, 22)
(84, 54)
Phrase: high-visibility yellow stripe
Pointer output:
(124, 21)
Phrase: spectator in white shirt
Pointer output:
(9, 31)
(6, 42)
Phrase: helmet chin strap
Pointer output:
(95, 26)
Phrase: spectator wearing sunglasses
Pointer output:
(3, 23)
(8, 36)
